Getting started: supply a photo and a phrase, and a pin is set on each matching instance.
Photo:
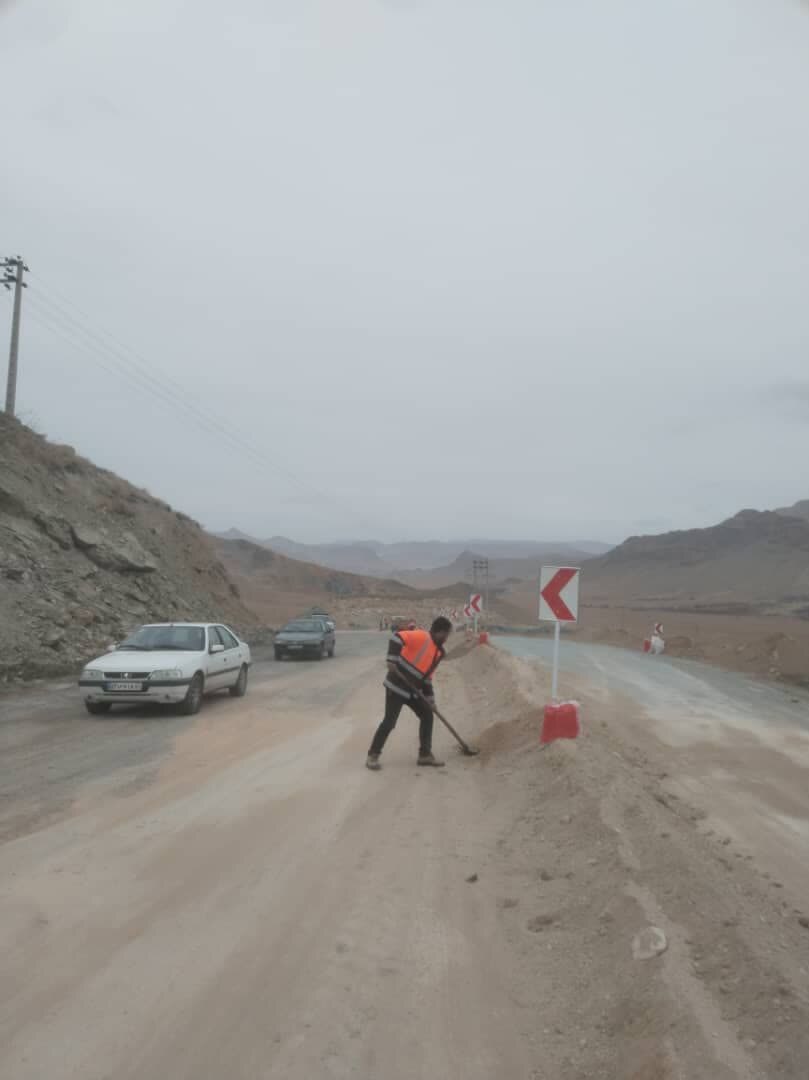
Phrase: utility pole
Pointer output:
(13, 269)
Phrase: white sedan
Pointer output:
(167, 664)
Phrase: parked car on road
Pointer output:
(305, 637)
(167, 664)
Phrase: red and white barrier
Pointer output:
(560, 720)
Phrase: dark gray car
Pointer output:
(312, 637)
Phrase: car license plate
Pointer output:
(124, 686)
(295, 646)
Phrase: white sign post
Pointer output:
(558, 603)
(476, 604)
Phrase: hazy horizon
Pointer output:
(402, 270)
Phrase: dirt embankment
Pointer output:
(85, 556)
(587, 852)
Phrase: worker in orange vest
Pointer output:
(413, 656)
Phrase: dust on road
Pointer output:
(237, 896)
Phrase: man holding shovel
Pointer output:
(413, 656)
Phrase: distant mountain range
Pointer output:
(754, 562)
(799, 509)
(428, 563)
(278, 586)
(502, 569)
(248, 559)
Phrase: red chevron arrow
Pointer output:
(551, 594)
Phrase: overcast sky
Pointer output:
(429, 268)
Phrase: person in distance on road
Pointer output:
(413, 656)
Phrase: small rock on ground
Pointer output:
(649, 943)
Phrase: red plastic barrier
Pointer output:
(560, 721)
(484, 637)
(647, 645)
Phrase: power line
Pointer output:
(59, 300)
(119, 359)
(62, 328)
(130, 358)
(152, 384)
(63, 331)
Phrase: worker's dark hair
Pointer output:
(440, 624)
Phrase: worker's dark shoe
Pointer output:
(429, 759)
(373, 762)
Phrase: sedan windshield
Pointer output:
(154, 638)
(302, 626)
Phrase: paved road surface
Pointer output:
(234, 896)
(685, 691)
(50, 748)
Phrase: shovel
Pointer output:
(470, 751)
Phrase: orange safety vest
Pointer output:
(420, 654)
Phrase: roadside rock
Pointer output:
(125, 553)
(53, 638)
(56, 528)
(649, 943)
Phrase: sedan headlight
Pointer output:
(167, 673)
(92, 675)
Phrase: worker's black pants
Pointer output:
(393, 706)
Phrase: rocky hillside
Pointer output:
(753, 562)
(85, 556)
